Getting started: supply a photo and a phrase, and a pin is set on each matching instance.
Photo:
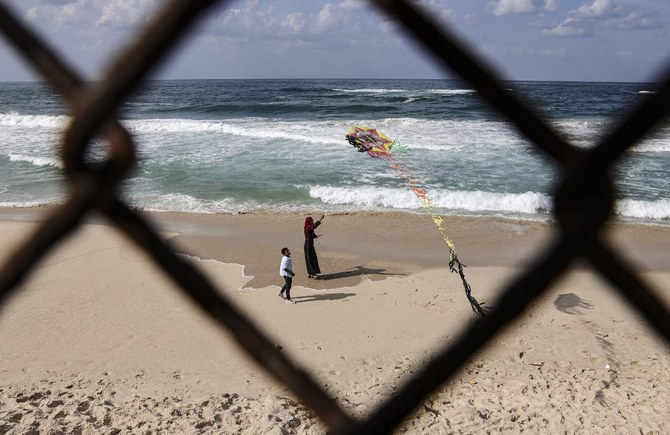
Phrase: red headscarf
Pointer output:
(308, 224)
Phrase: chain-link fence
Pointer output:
(583, 200)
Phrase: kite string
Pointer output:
(323, 254)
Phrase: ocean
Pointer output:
(226, 146)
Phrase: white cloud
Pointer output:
(551, 5)
(437, 8)
(70, 13)
(264, 22)
(601, 14)
(597, 9)
(505, 7)
(237, 33)
(89, 14)
(31, 14)
(521, 51)
(352, 5)
(294, 23)
(471, 18)
(328, 17)
(125, 13)
(569, 27)
(634, 20)
(558, 52)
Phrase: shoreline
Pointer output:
(374, 237)
(98, 338)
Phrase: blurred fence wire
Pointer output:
(583, 200)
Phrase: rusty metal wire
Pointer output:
(583, 200)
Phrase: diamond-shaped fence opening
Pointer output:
(583, 201)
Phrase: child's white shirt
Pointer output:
(286, 263)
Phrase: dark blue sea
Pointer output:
(220, 146)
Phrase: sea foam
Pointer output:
(400, 198)
(659, 210)
(36, 161)
(33, 121)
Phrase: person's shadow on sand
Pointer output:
(357, 271)
(321, 297)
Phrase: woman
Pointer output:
(311, 260)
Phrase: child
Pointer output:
(286, 270)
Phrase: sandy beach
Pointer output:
(98, 340)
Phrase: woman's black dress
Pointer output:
(311, 259)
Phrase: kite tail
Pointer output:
(379, 146)
(454, 264)
(476, 307)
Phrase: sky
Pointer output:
(565, 40)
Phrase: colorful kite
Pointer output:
(379, 146)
